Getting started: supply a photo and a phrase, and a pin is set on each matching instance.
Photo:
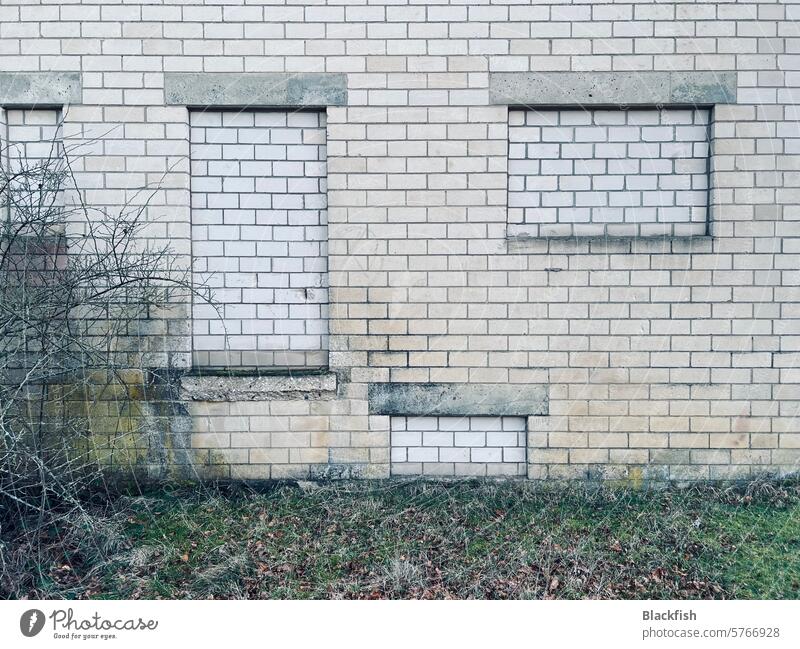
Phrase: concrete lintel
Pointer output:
(257, 388)
(40, 88)
(612, 88)
(703, 87)
(269, 89)
(457, 399)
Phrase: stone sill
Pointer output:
(682, 230)
(287, 385)
(537, 244)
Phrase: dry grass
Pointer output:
(436, 540)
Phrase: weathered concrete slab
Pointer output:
(611, 88)
(458, 399)
(255, 89)
(40, 88)
(578, 88)
(257, 388)
(703, 87)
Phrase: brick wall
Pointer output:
(30, 135)
(31, 246)
(608, 172)
(259, 239)
(664, 358)
(459, 446)
(30, 140)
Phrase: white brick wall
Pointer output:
(31, 140)
(32, 134)
(259, 238)
(635, 172)
(459, 446)
(663, 359)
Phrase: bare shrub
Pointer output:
(76, 284)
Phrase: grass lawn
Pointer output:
(438, 540)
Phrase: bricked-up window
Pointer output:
(33, 134)
(32, 141)
(259, 239)
(463, 446)
(608, 172)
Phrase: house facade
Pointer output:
(549, 240)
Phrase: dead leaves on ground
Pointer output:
(424, 543)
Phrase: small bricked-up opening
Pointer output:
(259, 239)
(458, 446)
(609, 172)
